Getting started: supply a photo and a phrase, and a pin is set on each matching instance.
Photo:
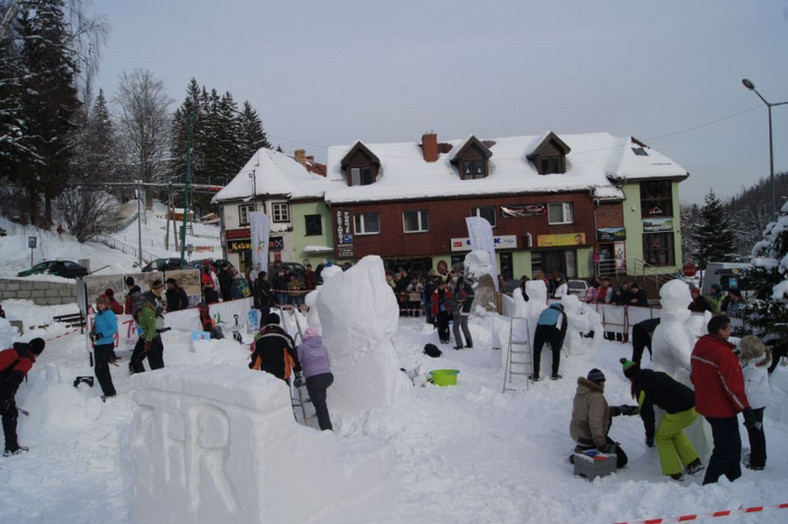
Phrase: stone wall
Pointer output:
(40, 292)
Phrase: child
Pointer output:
(755, 358)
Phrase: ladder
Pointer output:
(518, 357)
(297, 397)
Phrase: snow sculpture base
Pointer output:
(221, 445)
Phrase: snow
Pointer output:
(464, 453)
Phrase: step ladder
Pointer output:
(297, 397)
(518, 358)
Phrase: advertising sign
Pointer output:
(654, 225)
(499, 242)
(344, 232)
(259, 231)
(565, 239)
(236, 246)
(611, 234)
(233, 234)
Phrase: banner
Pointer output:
(481, 237)
(563, 239)
(524, 210)
(261, 228)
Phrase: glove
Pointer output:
(148, 345)
(609, 449)
(629, 410)
(615, 411)
(299, 380)
(650, 442)
(750, 420)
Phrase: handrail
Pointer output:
(114, 243)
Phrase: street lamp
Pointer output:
(749, 85)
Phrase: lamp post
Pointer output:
(192, 118)
(749, 85)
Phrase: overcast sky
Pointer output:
(323, 73)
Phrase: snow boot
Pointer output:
(694, 466)
(556, 376)
(677, 476)
(15, 451)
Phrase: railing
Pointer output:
(640, 270)
(124, 247)
(609, 268)
(123, 224)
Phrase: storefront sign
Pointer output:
(501, 242)
(232, 234)
(344, 241)
(653, 225)
(236, 246)
(276, 243)
(611, 234)
(524, 210)
(565, 239)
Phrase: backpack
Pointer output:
(137, 301)
(432, 351)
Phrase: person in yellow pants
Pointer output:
(654, 388)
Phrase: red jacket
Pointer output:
(12, 375)
(717, 377)
(436, 302)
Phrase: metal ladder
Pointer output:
(298, 400)
(518, 357)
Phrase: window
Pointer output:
(367, 224)
(658, 249)
(280, 211)
(656, 199)
(243, 214)
(361, 176)
(314, 225)
(548, 165)
(415, 221)
(472, 169)
(639, 151)
(560, 213)
(486, 212)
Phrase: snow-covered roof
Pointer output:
(596, 160)
(274, 174)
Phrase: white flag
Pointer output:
(481, 238)
(261, 227)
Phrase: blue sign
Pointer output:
(31, 242)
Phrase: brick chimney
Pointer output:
(429, 146)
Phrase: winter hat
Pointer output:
(156, 284)
(37, 345)
(272, 318)
(129, 281)
(171, 281)
(630, 368)
(596, 375)
(309, 333)
(716, 288)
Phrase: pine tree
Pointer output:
(180, 131)
(252, 137)
(715, 236)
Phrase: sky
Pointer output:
(328, 73)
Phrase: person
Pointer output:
(698, 304)
(254, 273)
(592, 293)
(239, 286)
(551, 327)
(441, 307)
(622, 294)
(715, 299)
(226, 283)
(592, 417)
(151, 321)
(755, 358)
(177, 298)
(733, 303)
(655, 388)
(105, 327)
(310, 279)
(263, 299)
(274, 351)
(605, 294)
(15, 363)
(523, 280)
(637, 296)
(561, 287)
(463, 299)
(113, 304)
(720, 396)
(279, 285)
(134, 298)
(502, 287)
(209, 324)
(641, 338)
(313, 356)
(210, 296)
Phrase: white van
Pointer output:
(726, 274)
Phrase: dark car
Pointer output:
(219, 263)
(61, 268)
(163, 264)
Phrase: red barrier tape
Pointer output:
(724, 513)
(63, 335)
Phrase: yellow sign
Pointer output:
(565, 239)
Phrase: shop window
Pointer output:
(658, 249)
(656, 199)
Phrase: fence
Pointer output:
(124, 247)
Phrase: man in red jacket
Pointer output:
(15, 362)
(720, 396)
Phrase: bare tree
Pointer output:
(87, 212)
(144, 124)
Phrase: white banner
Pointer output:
(481, 237)
(261, 228)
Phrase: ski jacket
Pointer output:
(134, 301)
(313, 356)
(274, 352)
(590, 414)
(105, 323)
(553, 316)
(177, 299)
(655, 388)
(756, 381)
(463, 296)
(15, 362)
(115, 306)
(440, 301)
(146, 318)
(717, 377)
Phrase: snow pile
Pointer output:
(215, 444)
(358, 315)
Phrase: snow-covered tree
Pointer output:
(252, 136)
(689, 216)
(714, 236)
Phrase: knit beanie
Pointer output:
(37, 345)
(272, 318)
(309, 333)
(630, 368)
(129, 281)
(596, 375)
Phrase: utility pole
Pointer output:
(139, 224)
(192, 118)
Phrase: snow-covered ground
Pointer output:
(464, 453)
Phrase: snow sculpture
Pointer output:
(479, 268)
(216, 444)
(359, 316)
(7, 333)
(313, 317)
(581, 321)
(672, 341)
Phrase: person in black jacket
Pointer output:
(15, 363)
(654, 388)
(177, 298)
(641, 338)
(637, 296)
(275, 353)
(263, 298)
(226, 283)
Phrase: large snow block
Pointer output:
(212, 444)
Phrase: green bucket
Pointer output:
(444, 377)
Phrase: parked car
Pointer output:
(295, 268)
(61, 268)
(219, 263)
(577, 287)
(163, 264)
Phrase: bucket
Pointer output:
(444, 377)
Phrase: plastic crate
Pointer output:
(591, 464)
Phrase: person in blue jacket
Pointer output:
(105, 327)
(551, 328)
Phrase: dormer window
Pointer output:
(549, 157)
(360, 165)
(472, 169)
(471, 158)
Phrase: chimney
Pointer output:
(429, 146)
(300, 156)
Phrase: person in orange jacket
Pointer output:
(15, 363)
